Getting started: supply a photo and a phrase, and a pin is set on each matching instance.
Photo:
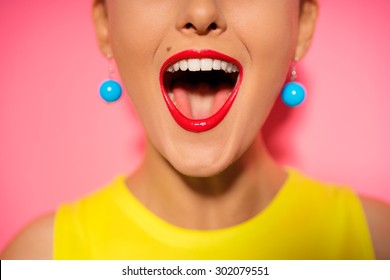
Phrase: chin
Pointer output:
(199, 169)
(200, 161)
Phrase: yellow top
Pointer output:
(306, 220)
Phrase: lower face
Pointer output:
(202, 94)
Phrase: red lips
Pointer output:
(199, 125)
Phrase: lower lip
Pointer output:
(212, 121)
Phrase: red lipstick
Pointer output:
(200, 125)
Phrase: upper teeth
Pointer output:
(203, 64)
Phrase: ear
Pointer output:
(100, 18)
(306, 26)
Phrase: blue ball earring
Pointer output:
(110, 90)
(293, 93)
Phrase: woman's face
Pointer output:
(202, 74)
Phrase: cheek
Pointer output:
(136, 31)
(269, 31)
(137, 27)
(269, 34)
(271, 41)
(131, 39)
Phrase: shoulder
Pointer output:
(378, 219)
(35, 241)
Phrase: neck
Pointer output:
(238, 193)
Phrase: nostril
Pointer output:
(213, 26)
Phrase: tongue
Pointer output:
(199, 101)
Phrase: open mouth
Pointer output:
(199, 87)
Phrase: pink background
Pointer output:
(58, 140)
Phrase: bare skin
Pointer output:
(34, 242)
(225, 176)
(229, 198)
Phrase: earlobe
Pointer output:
(307, 22)
(100, 19)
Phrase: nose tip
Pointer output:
(201, 17)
